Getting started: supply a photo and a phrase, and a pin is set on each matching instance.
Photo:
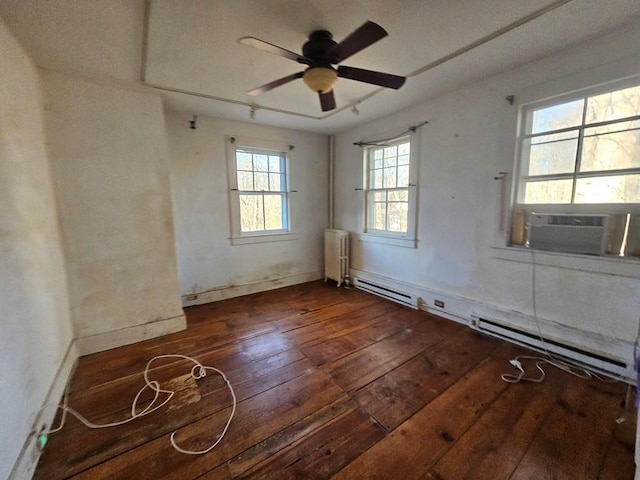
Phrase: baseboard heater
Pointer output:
(575, 355)
(404, 298)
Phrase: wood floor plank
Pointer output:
(257, 419)
(513, 421)
(348, 318)
(337, 383)
(394, 397)
(365, 365)
(618, 463)
(372, 329)
(402, 453)
(324, 451)
(573, 441)
(284, 438)
(111, 401)
(77, 453)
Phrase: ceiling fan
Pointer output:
(321, 53)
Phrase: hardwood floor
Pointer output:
(336, 383)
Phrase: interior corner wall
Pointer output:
(469, 139)
(36, 329)
(210, 268)
(109, 156)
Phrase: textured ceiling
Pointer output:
(188, 49)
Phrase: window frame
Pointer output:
(238, 237)
(522, 162)
(402, 239)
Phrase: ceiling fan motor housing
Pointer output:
(317, 48)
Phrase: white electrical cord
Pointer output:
(198, 371)
(578, 371)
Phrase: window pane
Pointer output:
(380, 196)
(275, 164)
(551, 154)
(403, 175)
(404, 148)
(377, 179)
(391, 152)
(273, 212)
(557, 117)
(379, 215)
(613, 105)
(403, 160)
(390, 178)
(377, 154)
(260, 163)
(549, 191)
(612, 189)
(399, 195)
(245, 181)
(251, 213)
(261, 181)
(275, 183)
(397, 216)
(609, 151)
(390, 162)
(243, 160)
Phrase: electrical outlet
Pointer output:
(438, 303)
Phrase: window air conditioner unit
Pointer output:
(568, 233)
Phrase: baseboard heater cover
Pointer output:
(403, 298)
(570, 353)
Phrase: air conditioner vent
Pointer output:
(567, 233)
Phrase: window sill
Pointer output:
(395, 241)
(609, 265)
(266, 238)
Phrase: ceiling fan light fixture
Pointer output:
(320, 79)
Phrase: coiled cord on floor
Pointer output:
(198, 371)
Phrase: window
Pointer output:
(580, 155)
(390, 190)
(259, 178)
(582, 150)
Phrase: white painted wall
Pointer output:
(469, 139)
(35, 324)
(110, 164)
(208, 264)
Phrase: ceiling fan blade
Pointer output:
(367, 34)
(274, 84)
(273, 49)
(369, 76)
(327, 101)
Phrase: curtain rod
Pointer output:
(381, 142)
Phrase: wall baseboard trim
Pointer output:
(461, 309)
(232, 291)
(126, 336)
(29, 455)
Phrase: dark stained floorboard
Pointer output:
(337, 383)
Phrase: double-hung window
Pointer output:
(389, 179)
(260, 199)
(582, 150)
(579, 160)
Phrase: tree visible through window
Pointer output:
(387, 188)
(583, 151)
(262, 189)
